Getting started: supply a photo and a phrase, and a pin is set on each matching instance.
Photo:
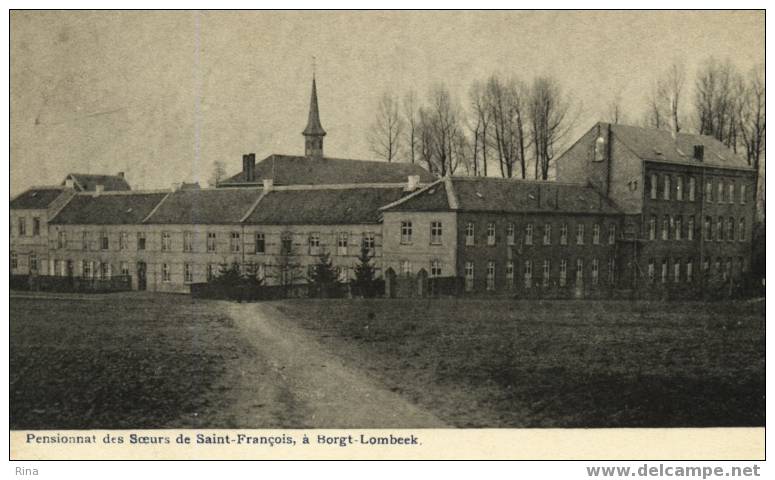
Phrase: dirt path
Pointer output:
(294, 382)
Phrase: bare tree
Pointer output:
(411, 120)
(478, 124)
(670, 89)
(615, 113)
(549, 121)
(218, 173)
(506, 103)
(753, 125)
(383, 137)
(443, 123)
(654, 116)
(717, 93)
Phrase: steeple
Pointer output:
(314, 133)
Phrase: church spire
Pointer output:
(314, 133)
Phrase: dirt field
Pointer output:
(556, 364)
(165, 361)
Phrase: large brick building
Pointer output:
(631, 207)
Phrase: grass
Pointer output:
(116, 362)
(497, 363)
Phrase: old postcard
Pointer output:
(387, 235)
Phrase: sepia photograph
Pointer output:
(385, 220)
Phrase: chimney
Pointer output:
(268, 184)
(121, 175)
(98, 189)
(69, 182)
(249, 167)
(412, 182)
(699, 152)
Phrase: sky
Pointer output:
(161, 96)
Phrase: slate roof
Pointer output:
(86, 182)
(328, 206)
(301, 170)
(207, 206)
(659, 145)
(108, 209)
(36, 198)
(479, 194)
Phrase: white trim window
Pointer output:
(260, 243)
(666, 188)
(166, 241)
(470, 234)
(529, 234)
(33, 262)
(564, 234)
(579, 270)
(579, 234)
(528, 274)
(469, 274)
(491, 275)
(721, 191)
(676, 270)
(491, 233)
(548, 234)
(342, 240)
(611, 270)
(595, 271)
(436, 233)
(666, 227)
(406, 267)
(435, 268)
(653, 187)
(212, 242)
(369, 241)
(510, 273)
(651, 271)
(188, 241)
(510, 234)
(104, 241)
(123, 240)
(689, 271)
(741, 230)
(563, 272)
(731, 194)
(546, 272)
(663, 277)
(679, 188)
(653, 227)
(188, 273)
(742, 195)
(612, 234)
(235, 242)
(140, 240)
(678, 228)
(596, 234)
(692, 188)
(406, 232)
(61, 240)
(86, 271)
(690, 228)
(166, 277)
(314, 243)
(124, 266)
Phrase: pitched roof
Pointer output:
(108, 208)
(206, 206)
(87, 182)
(314, 128)
(36, 198)
(659, 145)
(480, 194)
(325, 206)
(300, 170)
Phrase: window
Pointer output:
(579, 270)
(14, 261)
(469, 233)
(406, 232)
(104, 241)
(406, 267)
(664, 271)
(678, 228)
(731, 193)
(595, 271)
(165, 272)
(286, 244)
(741, 230)
(343, 274)
(22, 226)
(720, 229)
(651, 270)
(314, 243)
(35, 226)
(260, 243)
(529, 234)
(709, 191)
(679, 188)
(369, 241)
(731, 229)
(546, 273)
(528, 273)
(85, 240)
(188, 273)
(212, 242)
(690, 229)
(612, 234)
(435, 268)
(510, 273)
(140, 240)
(596, 234)
(510, 234)
(342, 243)
(666, 191)
(728, 268)
(666, 227)
(86, 269)
(689, 271)
(654, 182)
(33, 262)
(580, 234)
(436, 233)
(490, 275)
(717, 266)
(469, 272)
(721, 192)
(692, 188)
(212, 270)
(653, 227)
(708, 228)
(563, 272)
(104, 271)
(491, 233)
(611, 270)
(706, 264)
(166, 241)
(676, 270)
(188, 241)
(564, 234)
(123, 240)
(62, 240)
(124, 269)
(742, 195)
(234, 242)
(547, 234)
